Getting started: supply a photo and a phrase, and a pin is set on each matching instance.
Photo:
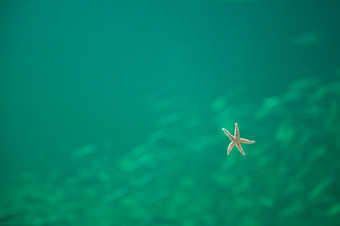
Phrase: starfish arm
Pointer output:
(237, 132)
(231, 137)
(239, 147)
(245, 141)
(231, 145)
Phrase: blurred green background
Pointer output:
(111, 112)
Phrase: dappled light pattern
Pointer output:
(181, 175)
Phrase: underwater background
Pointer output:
(111, 112)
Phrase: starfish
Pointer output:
(236, 140)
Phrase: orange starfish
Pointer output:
(236, 140)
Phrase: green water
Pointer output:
(111, 112)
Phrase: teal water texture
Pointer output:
(111, 112)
